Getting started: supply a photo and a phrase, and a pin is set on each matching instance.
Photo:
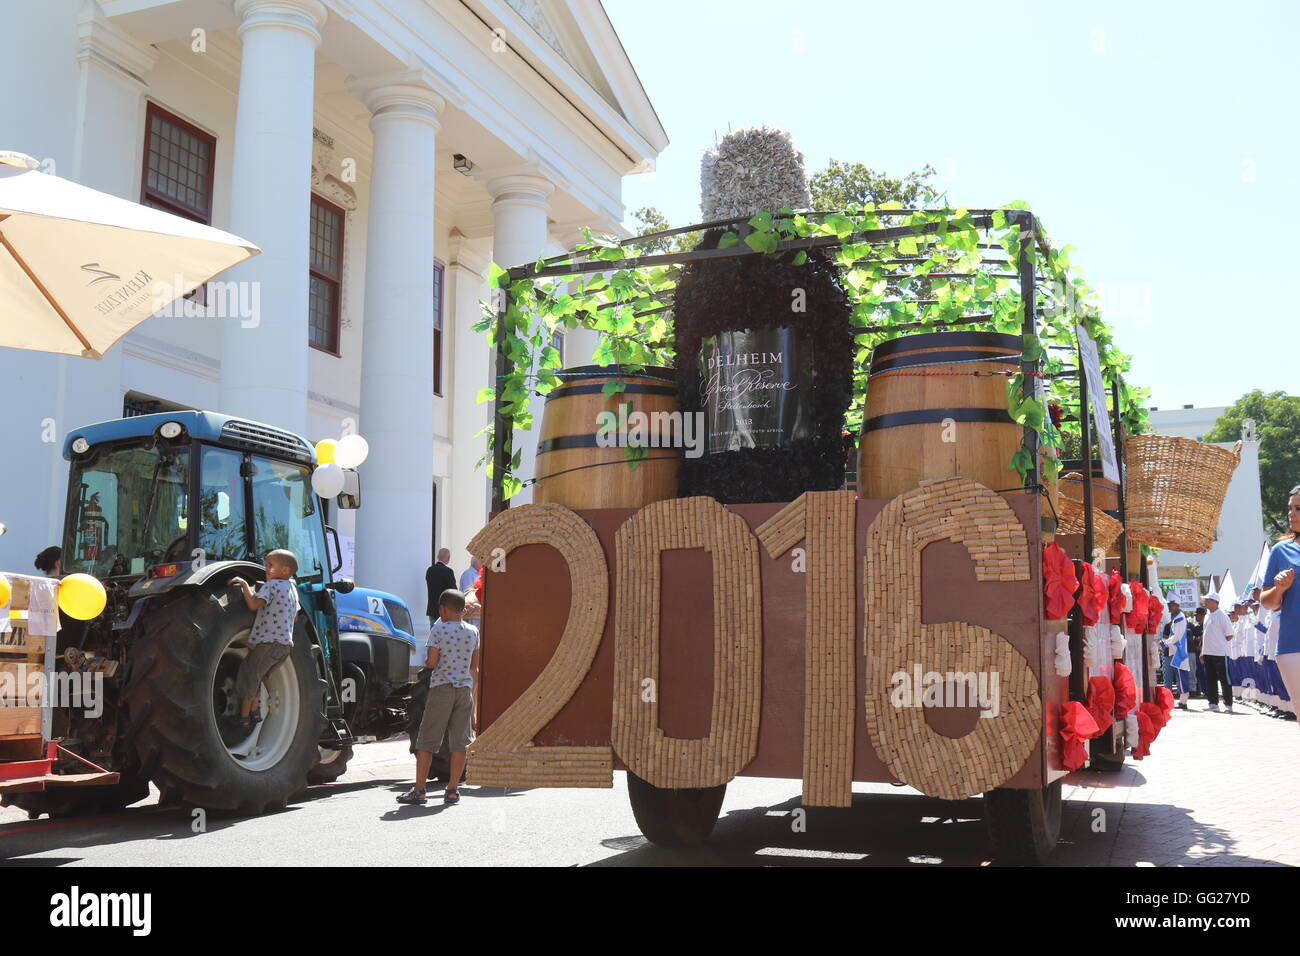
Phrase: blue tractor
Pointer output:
(165, 510)
(377, 641)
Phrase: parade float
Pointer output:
(963, 619)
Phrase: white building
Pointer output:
(382, 153)
(1241, 523)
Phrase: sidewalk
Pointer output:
(1217, 790)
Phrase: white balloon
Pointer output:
(327, 480)
(351, 451)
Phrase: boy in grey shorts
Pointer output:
(271, 639)
(453, 658)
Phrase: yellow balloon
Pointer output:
(82, 596)
(5, 591)
(325, 451)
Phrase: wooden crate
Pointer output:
(15, 721)
(22, 654)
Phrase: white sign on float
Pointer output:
(1097, 395)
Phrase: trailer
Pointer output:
(843, 636)
(28, 752)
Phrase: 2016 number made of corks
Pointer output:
(504, 755)
(895, 640)
(825, 521)
(737, 644)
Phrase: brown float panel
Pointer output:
(525, 610)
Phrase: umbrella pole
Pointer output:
(45, 292)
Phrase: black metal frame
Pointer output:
(567, 264)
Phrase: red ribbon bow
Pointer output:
(1094, 595)
(1164, 698)
(1136, 619)
(1157, 715)
(1059, 582)
(1077, 727)
(1116, 598)
(1101, 702)
(1125, 691)
(1146, 734)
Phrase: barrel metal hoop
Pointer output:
(564, 442)
(905, 343)
(564, 391)
(953, 356)
(935, 416)
(655, 373)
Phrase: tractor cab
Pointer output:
(156, 494)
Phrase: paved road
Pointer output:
(1218, 789)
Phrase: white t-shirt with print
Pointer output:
(274, 621)
(456, 642)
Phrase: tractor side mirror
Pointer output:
(342, 585)
(349, 498)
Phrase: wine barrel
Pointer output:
(574, 470)
(1105, 493)
(929, 416)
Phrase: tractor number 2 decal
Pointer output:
(894, 640)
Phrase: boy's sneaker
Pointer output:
(412, 796)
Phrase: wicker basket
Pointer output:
(1069, 514)
(1174, 490)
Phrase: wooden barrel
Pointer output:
(1105, 493)
(928, 416)
(574, 470)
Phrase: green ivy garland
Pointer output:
(932, 276)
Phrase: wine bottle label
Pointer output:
(756, 387)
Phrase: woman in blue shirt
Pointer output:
(1280, 596)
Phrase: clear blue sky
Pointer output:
(1158, 138)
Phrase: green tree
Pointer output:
(651, 220)
(1277, 420)
(840, 185)
(837, 186)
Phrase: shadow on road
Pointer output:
(877, 830)
(910, 830)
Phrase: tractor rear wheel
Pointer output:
(1023, 825)
(674, 818)
(182, 711)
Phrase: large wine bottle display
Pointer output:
(764, 347)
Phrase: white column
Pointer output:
(468, 494)
(394, 522)
(579, 344)
(520, 203)
(264, 362)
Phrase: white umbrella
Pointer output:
(80, 268)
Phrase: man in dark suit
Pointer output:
(440, 577)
